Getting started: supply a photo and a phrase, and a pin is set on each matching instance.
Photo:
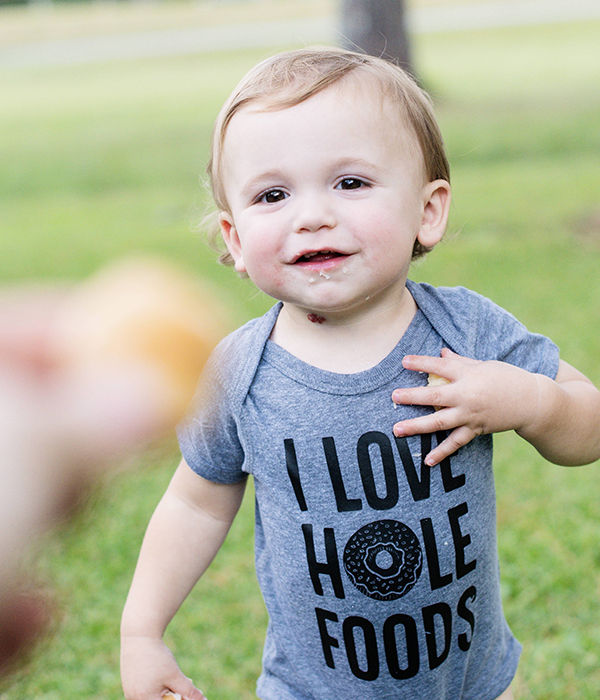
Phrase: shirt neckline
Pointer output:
(370, 379)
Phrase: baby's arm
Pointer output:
(183, 536)
(560, 418)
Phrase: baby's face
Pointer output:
(326, 198)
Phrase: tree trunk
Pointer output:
(377, 28)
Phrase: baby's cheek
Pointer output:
(264, 272)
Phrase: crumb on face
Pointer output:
(314, 318)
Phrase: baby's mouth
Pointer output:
(319, 256)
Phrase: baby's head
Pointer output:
(290, 78)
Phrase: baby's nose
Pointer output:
(314, 212)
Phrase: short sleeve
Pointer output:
(473, 326)
(209, 438)
(502, 337)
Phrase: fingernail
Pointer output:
(399, 431)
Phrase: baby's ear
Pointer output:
(232, 240)
(436, 208)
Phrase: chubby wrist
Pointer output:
(136, 623)
(541, 399)
(141, 632)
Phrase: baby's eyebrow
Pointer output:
(353, 162)
(265, 179)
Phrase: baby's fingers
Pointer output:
(433, 395)
(444, 419)
(449, 365)
(458, 438)
(192, 693)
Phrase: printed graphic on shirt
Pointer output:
(384, 560)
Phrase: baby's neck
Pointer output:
(345, 344)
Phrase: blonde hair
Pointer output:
(289, 78)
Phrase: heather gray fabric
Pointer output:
(379, 573)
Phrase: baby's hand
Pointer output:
(149, 672)
(479, 398)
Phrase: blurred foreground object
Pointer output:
(88, 374)
(377, 28)
(145, 317)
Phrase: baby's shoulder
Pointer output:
(452, 301)
(456, 313)
(235, 359)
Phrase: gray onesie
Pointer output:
(380, 574)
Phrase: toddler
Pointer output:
(375, 514)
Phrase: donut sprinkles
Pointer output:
(383, 559)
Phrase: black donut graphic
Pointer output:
(383, 559)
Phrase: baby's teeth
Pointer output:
(316, 252)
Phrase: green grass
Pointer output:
(103, 160)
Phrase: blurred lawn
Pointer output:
(103, 160)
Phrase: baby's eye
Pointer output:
(272, 196)
(350, 183)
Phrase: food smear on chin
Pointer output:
(315, 318)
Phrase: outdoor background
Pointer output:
(102, 151)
